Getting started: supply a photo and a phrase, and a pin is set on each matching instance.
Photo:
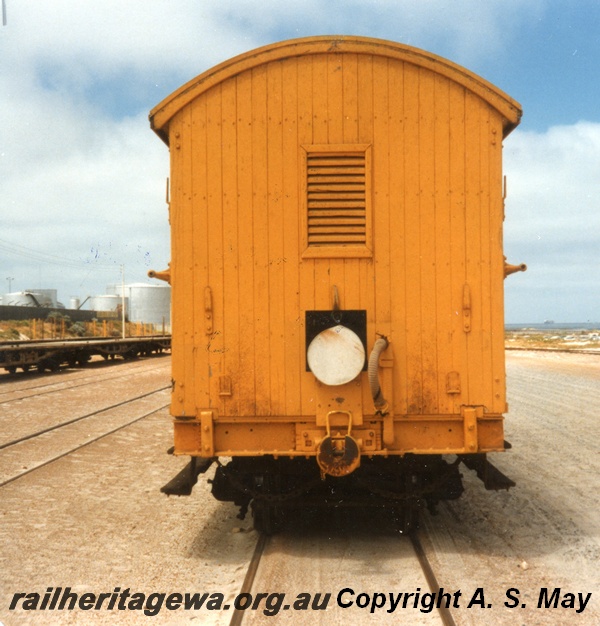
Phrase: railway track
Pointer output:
(434, 587)
(8, 444)
(36, 409)
(238, 614)
(41, 423)
(268, 562)
(23, 390)
(36, 450)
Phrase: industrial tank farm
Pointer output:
(336, 209)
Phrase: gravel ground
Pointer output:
(95, 520)
(54, 404)
(545, 533)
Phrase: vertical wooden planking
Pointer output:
(428, 269)
(260, 226)
(319, 93)
(321, 134)
(350, 98)
(350, 267)
(276, 251)
(335, 134)
(485, 135)
(294, 323)
(351, 291)
(412, 225)
(398, 276)
(435, 224)
(497, 265)
(443, 249)
(366, 107)
(230, 405)
(177, 181)
(306, 266)
(213, 234)
(334, 88)
(366, 274)
(365, 98)
(458, 237)
(196, 245)
(182, 400)
(381, 195)
(245, 386)
(474, 245)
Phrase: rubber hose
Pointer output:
(373, 370)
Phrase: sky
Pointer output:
(82, 176)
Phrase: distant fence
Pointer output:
(50, 323)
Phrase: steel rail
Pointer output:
(238, 614)
(434, 586)
(81, 417)
(68, 384)
(83, 445)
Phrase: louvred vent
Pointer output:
(336, 190)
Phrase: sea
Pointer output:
(552, 325)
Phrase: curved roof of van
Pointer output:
(161, 115)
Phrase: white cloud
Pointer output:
(82, 186)
(554, 182)
(553, 222)
(72, 37)
(82, 175)
(463, 29)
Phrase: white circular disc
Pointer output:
(336, 356)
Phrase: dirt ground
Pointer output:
(544, 533)
(95, 521)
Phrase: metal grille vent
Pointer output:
(336, 198)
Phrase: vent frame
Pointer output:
(343, 172)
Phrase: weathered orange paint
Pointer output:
(428, 268)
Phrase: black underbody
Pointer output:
(274, 487)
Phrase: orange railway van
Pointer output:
(336, 209)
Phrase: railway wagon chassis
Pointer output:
(343, 478)
(51, 355)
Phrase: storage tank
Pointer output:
(45, 297)
(106, 302)
(24, 298)
(74, 302)
(148, 303)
